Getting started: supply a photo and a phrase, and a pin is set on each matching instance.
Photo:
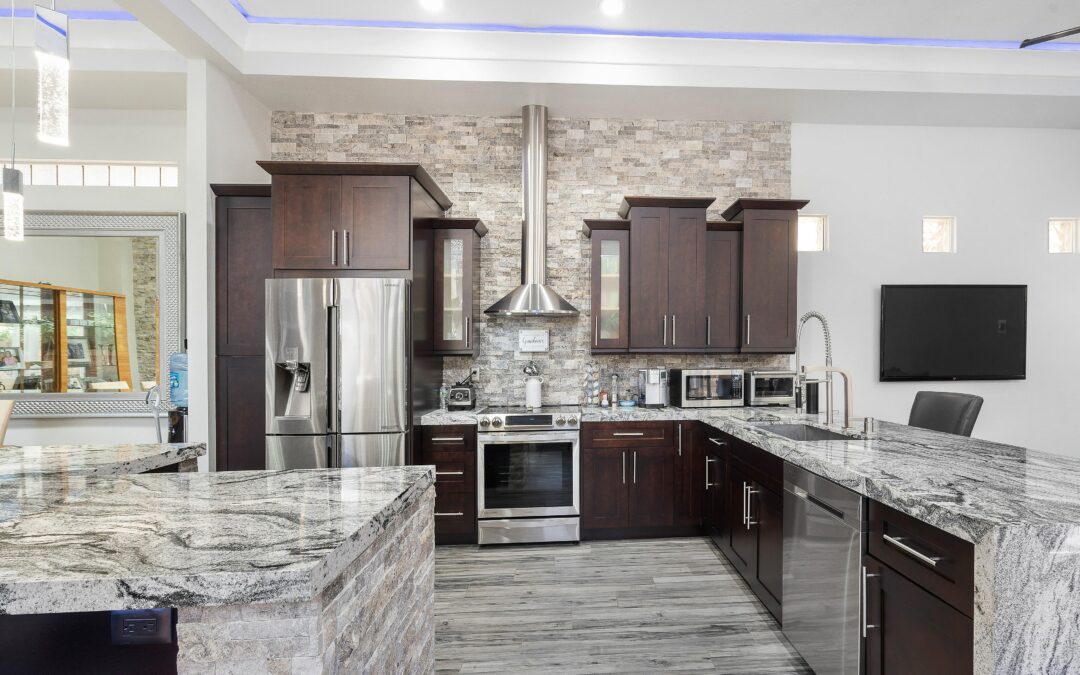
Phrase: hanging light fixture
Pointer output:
(51, 39)
(12, 177)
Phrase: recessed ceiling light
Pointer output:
(432, 5)
(612, 7)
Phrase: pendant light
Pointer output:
(13, 179)
(54, 65)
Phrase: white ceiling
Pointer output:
(944, 19)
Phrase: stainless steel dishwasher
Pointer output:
(824, 533)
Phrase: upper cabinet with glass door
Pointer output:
(610, 284)
(456, 276)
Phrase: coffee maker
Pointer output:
(653, 387)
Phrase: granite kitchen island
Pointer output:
(292, 571)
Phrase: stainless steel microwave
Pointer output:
(770, 387)
(706, 388)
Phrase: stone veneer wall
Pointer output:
(592, 164)
(144, 262)
(378, 616)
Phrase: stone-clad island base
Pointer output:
(377, 616)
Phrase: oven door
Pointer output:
(711, 390)
(527, 474)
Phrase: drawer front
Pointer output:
(454, 471)
(628, 434)
(455, 512)
(461, 437)
(936, 560)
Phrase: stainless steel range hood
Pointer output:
(533, 297)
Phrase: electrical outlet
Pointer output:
(475, 373)
(134, 627)
(141, 626)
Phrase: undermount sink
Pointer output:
(805, 432)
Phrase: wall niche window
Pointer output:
(1062, 235)
(813, 232)
(939, 234)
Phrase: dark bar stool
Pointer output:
(945, 411)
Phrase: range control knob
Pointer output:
(571, 420)
(484, 421)
(560, 421)
(496, 423)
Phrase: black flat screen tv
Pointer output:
(953, 333)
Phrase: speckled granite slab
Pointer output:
(195, 539)
(440, 417)
(94, 460)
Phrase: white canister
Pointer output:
(532, 391)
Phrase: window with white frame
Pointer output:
(813, 232)
(1062, 235)
(99, 174)
(939, 234)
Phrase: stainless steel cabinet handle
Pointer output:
(624, 467)
(708, 461)
(672, 330)
(680, 439)
(745, 503)
(628, 433)
(596, 330)
(747, 329)
(635, 467)
(447, 439)
(333, 247)
(347, 247)
(467, 336)
(708, 331)
(449, 473)
(459, 513)
(665, 330)
(866, 625)
(717, 441)
(922, 557)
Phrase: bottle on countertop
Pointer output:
(178, 379)
(444, 395)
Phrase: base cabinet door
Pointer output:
(743, 537)
(652, 487)
(909, 630)
(241, 417)
(689, 474)
(604, 494)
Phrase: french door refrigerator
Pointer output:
(337, 372)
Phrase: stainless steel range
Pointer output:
(528, 486)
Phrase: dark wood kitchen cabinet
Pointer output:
(243, 261)
(770, 263)
(456, 280)
(667, 284)
(610, 284)
(689, 473)
(714, 468)
(452, 449)
(723, 271)
(628, 486)
(910, 630)
(348, 216)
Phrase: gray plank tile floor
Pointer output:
(641, 606)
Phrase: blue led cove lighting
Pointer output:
(618, 32)
(76, 14)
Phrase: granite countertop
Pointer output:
(95, 460)
(191, 539)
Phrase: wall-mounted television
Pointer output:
(953, 333)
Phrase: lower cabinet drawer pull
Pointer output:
(717, 441)
(922, 557)
(449, 473)
(628, 433)
(459, 513)
(447, 440)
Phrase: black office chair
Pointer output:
(945, 411)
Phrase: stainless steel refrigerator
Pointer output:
(337, 372)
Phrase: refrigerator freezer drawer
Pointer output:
(297, 452)
(372, 450)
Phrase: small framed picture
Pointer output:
(10, 358)
(76, 378)
(78, 350)
(8, 312)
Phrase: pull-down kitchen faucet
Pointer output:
(847, 392)
(800, 376)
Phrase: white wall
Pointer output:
(228, 130)
(135, 135)
(875, 184)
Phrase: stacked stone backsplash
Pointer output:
(592, 164)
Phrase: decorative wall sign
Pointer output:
(532, 340)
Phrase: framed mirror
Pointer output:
(91, 307)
